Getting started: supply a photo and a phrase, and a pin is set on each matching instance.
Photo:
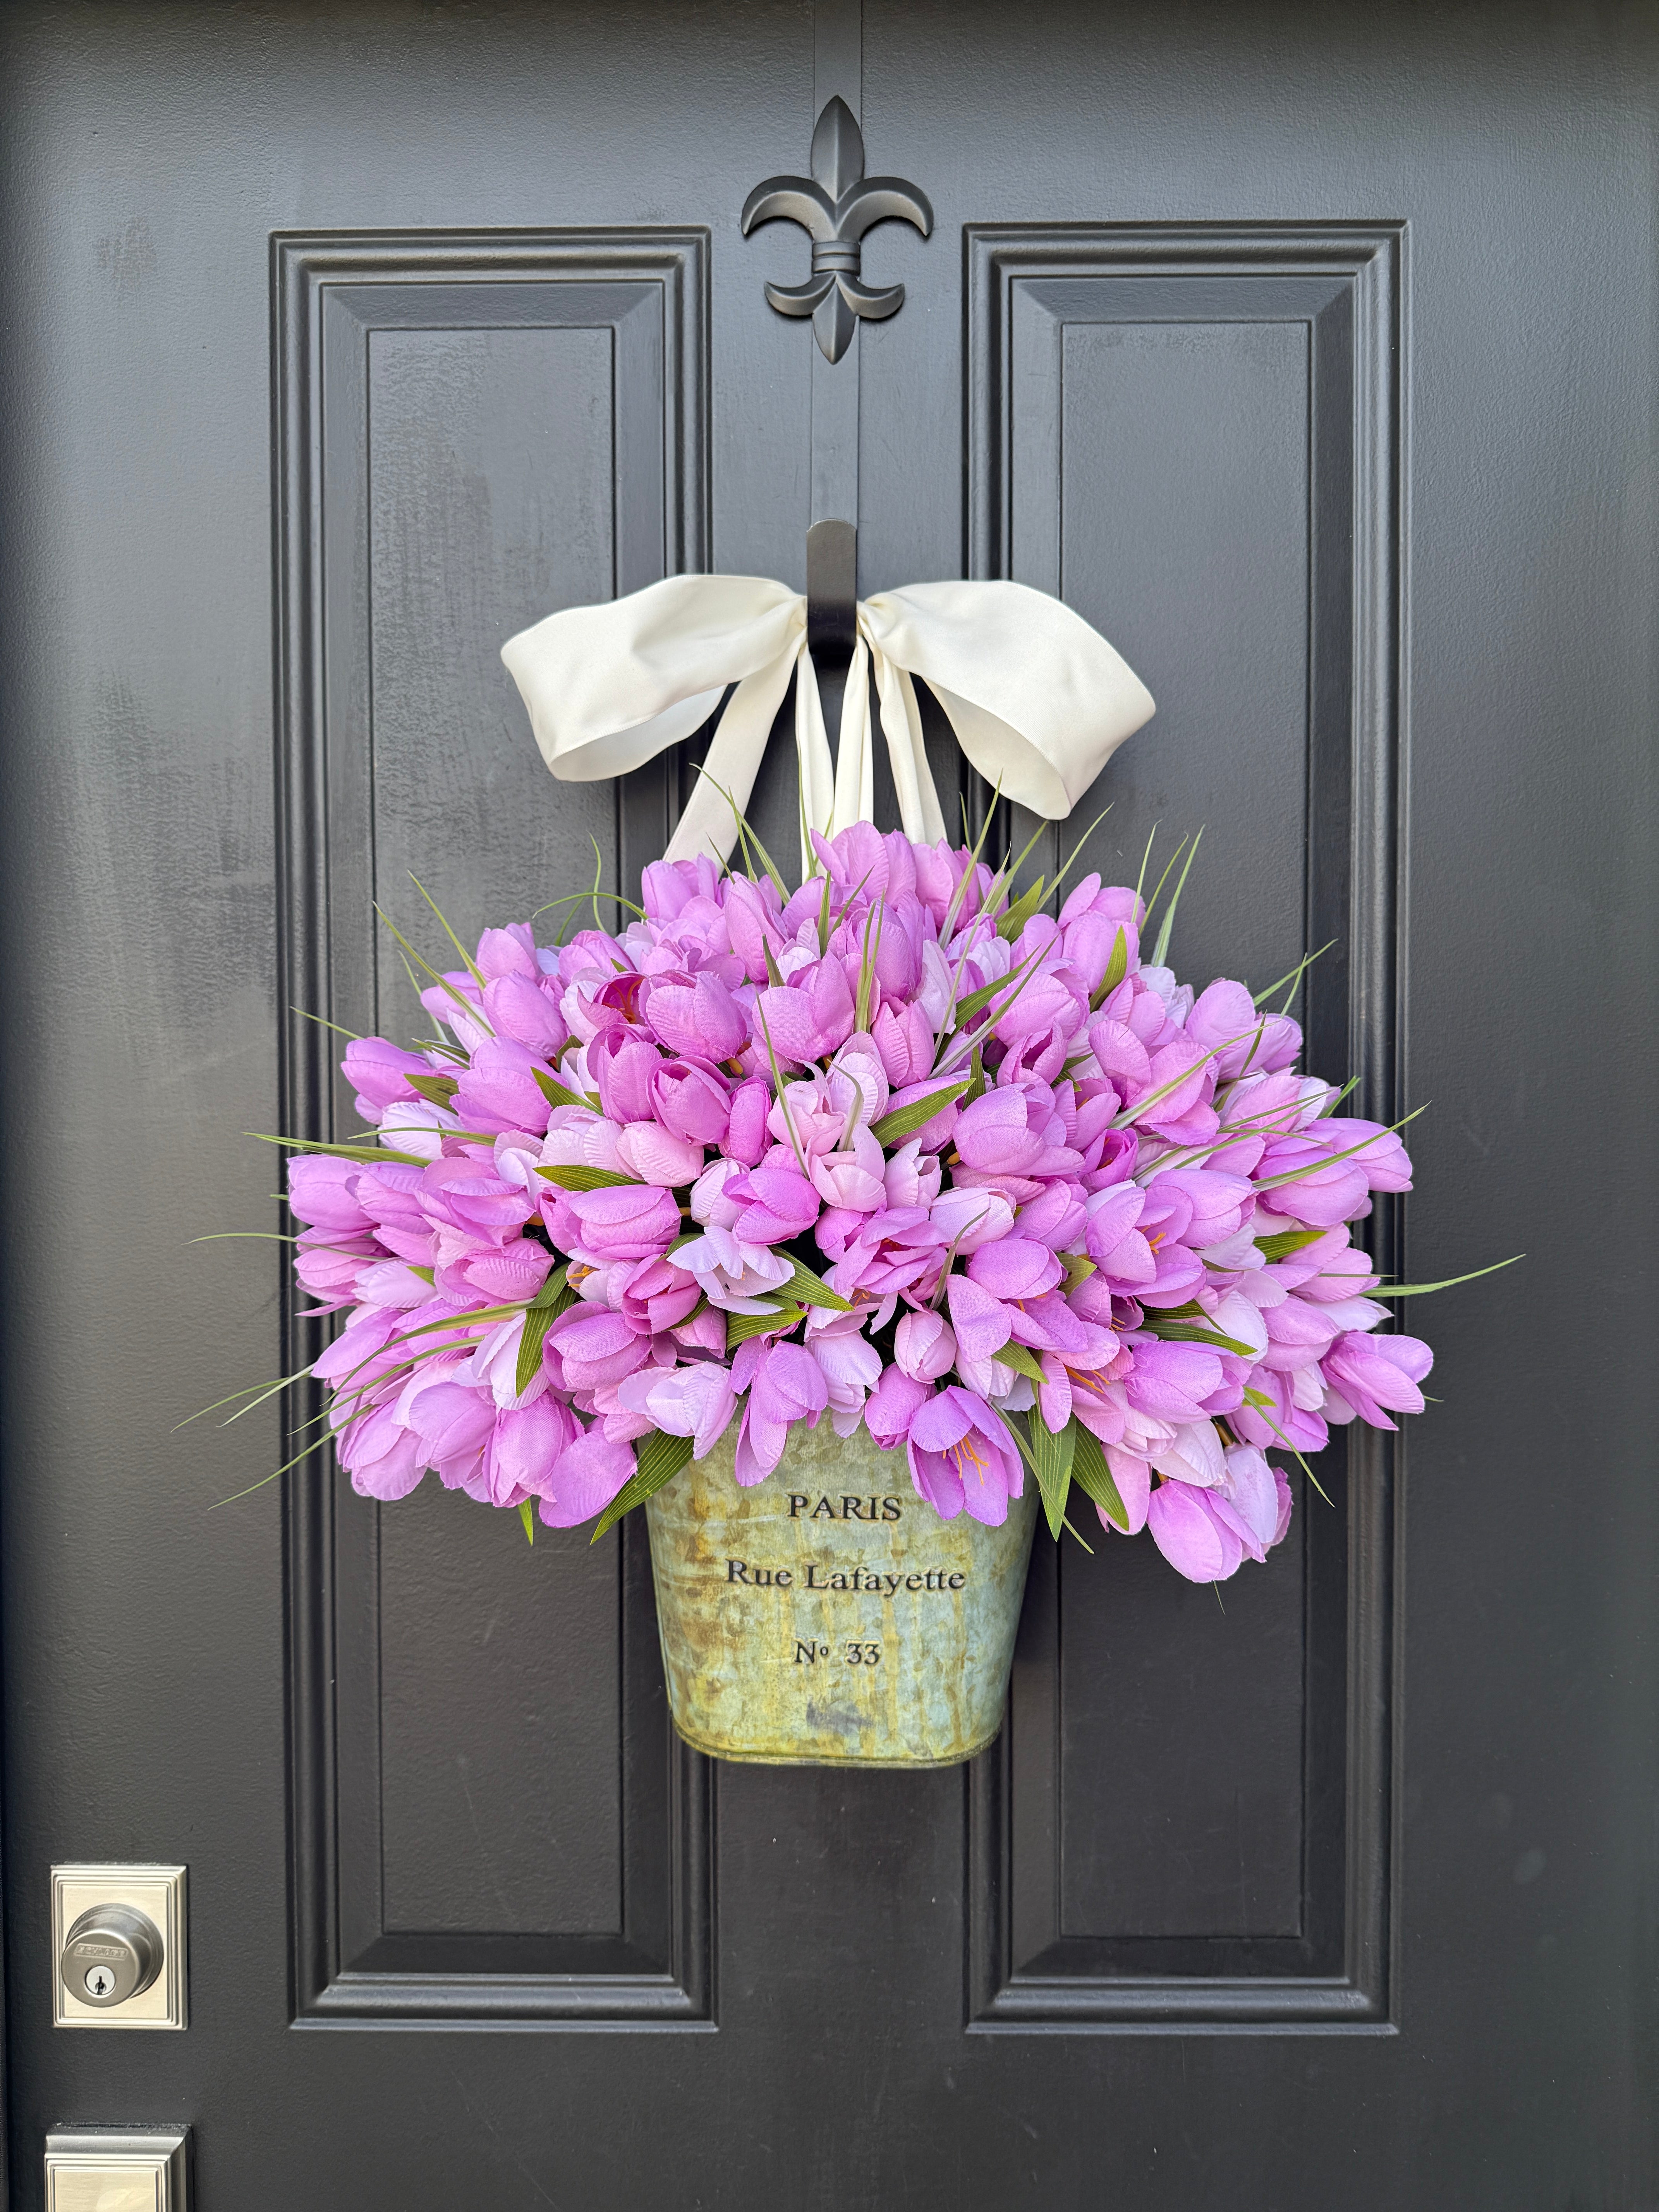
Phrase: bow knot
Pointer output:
(1038, 701)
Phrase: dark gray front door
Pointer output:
(1308, 351)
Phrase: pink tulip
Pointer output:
(924, 1346)
(378, 1073)
(806, 1019)
(521, 1010)
(777, 1203)
(324, 1192)
(746, 1137)
(892, 1407)
(1191, 1534)
(384, 1458)
(522, 1450)
(785, 1384)
(1369, 1373)
(627, 1221)
(702, 1021)
(510, 951)
(1379, 1156)
(980, 1320)
(696, 1401)
(647, 1149)
(962, 1456)
(583, 1480)
(690, 1103)
(623, 1064)
(967, 1219)
(904, 1038)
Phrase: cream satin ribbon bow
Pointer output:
(1038, 701)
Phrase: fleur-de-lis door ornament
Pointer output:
(836, 205)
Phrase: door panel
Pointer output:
(467, 425)
(1309, 353)
(1193, 436)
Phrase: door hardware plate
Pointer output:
(157, 1891)
(118, 2169)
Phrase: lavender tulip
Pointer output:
(1366, 1374)
(962, 1457)
(378, 1073)
(1191, 1535)
(925, 1347)
(785, 1384)
(583, 1480)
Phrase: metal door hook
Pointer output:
(832, 592)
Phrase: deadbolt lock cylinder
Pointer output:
(111, 1954)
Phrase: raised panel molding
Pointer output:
(1344, 284)
(643, 292)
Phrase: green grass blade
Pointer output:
(1021, 911)
(658, 1459)
(809, 1289)
(1152, 902)
(467, 961)
(1314, 1167)
(961, 890)
(1070, 860)
(1017, 1356)
(1190, 1332)
(1296, 973)
(1117, 968)
(867, 990)
(564, 1177)
(740, 1327)
(1422, 1290)
(306, 1016)
(555, 1297)
(1168, 923)
(371, 1153)
(1286, 1241)
(475, 1014)
(904, 1121)
(1051, 1460)
(746, 829)
(1094, 1478)
(557, 1093)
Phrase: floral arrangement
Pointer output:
(893, 1149)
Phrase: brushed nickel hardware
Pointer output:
(118, 2169)
(118, 1935)
(110, 1954)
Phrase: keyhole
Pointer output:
(99, 1981)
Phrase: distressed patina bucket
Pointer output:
(828, 1617)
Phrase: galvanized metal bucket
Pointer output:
(828, 1617)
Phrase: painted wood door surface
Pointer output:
(1308, 351)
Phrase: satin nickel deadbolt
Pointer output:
(118, 1935)
(110, 1954)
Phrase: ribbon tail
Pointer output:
(817, 773)
(856, 776)
(920, 811)
(709, 823)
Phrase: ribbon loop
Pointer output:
(1037, 700)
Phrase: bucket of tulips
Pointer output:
(848, 1230)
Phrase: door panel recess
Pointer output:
(470, 432)
(1141, 399)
